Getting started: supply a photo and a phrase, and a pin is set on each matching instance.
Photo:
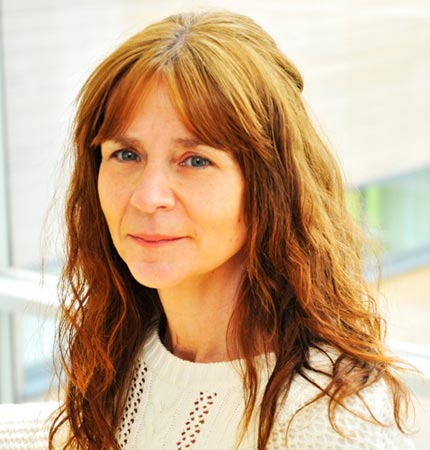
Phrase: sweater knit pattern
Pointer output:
(25, 426)
(195, 406)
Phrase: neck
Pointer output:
(198, 316)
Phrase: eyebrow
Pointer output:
(128, 141)
(189, 142)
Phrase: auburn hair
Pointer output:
(303, 284)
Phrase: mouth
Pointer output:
(154, 240)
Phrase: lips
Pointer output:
(154, 239)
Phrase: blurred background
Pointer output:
(366, 66)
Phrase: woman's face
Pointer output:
(174, 206)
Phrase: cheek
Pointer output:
(109, 198)
(103, 192)
(228, 211)
(241, 228)
(237, 203)
(241, 231)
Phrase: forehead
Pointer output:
(193, 110)
(154, 109)
(154, 115)
(135, 100)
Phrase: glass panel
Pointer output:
(397, 215)
(36, 339)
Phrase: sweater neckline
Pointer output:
(173, 369)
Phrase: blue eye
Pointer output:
(196, 161)
(126, 155)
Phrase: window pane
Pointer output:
(397, 213)
(36, 336)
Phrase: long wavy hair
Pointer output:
(303, 285)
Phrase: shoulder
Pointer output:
(25, 425)
(308, 422)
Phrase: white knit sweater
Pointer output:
(179, 405)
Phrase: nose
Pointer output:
(153, 190)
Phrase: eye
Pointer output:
(126, 155)
(196, 161)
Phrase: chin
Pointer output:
(154, 279)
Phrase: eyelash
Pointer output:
(198, 157)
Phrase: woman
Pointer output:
(213, 295)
